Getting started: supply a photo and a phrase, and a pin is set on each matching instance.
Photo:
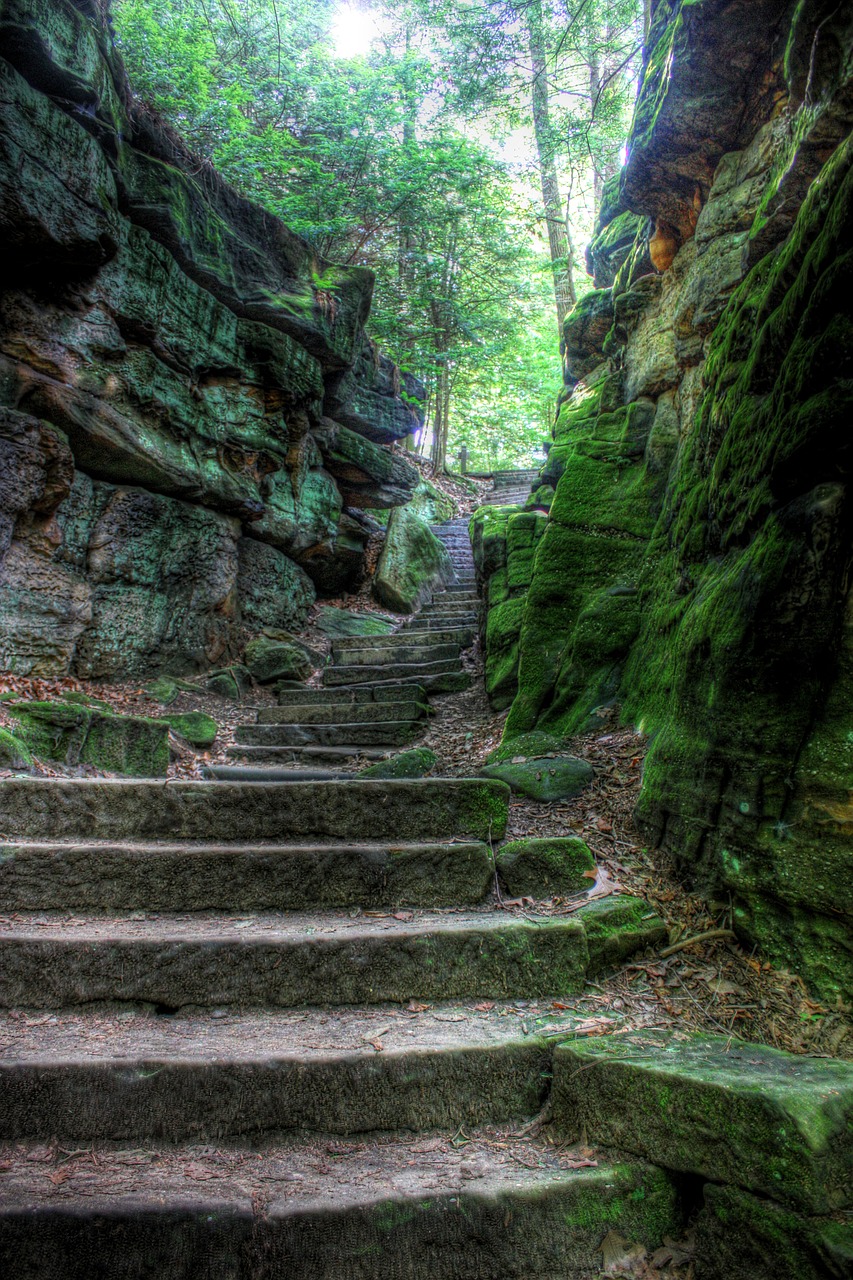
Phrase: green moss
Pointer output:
(196, 728)
(545, 779)
(416, 763)
(76, 734)
(14, 753)
(541, 868)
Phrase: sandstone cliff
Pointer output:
(695, 561)
(192, 418)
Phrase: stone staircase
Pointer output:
(511, 488)
(251, 1029)
(196, 976)
(375, 691)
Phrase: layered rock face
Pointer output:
(695, 563)
(191, 415)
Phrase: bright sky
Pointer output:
(353, 31)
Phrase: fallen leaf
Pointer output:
(59, 1176)
(485, 1007)
(619, 1256)
(415, 1006)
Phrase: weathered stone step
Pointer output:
(461, 635)
(452, 604)
(90, 1076)
(147, 876)
(300, 772)
(426, 809)
(208, 959)
(404, 639)
(421, 671)
(409, 650)
(456, 623)
(775, 1123)
(412, 1206)
(352, 694)
(388, 732)
(343, 710)
(453, 681)
(309, 757)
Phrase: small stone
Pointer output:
(541, 868)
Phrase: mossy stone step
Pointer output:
(408, 651)
(378, 1210)
(148, 876)
(428, 809)
(259, 1072)
(208, 959)
(421, 671)
(352, 694)
(338, 712)
(774, 1123)
(393, 733)
(404, 638)
(283, 762)
(461, 626)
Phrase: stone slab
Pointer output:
(136, 876)
(774, 1123)
(208, 959)
(106, 809)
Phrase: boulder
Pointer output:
(366, 474)
(272, 590)
(196, 728)
(416, 763)
(548, 778)
(229, 682)
(412, 564)
(14, 753)
(76, 734)
(343, 622)
(279, 657)
(542, 868)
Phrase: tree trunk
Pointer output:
(558, 244)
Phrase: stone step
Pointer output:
(406, 637)
(208, 959)
(453, 681)
(352, 694)
(421, 671)
(460, 628)
(343, 711)
(148, 876)
(410, 650)
(394, 733)
(453, 600)
(408, 1206)
(283, 764)
(423, 809)
(775, 1123)
(93, 1075)
(275, 773)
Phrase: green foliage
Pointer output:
(397, 161)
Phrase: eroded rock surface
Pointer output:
(188, 399)
(694, 565)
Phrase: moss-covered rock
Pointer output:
(14, 753)
(416, 763)
(196, 728)
(774, 1123)
(163, 690)
(541, 868)
(232, 682)
(279, 657)
(75, 734)
(742, 1234)
(548, 778)
(344, 622)
(413, 563)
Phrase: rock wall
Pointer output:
(192, 418)
(695, 565)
